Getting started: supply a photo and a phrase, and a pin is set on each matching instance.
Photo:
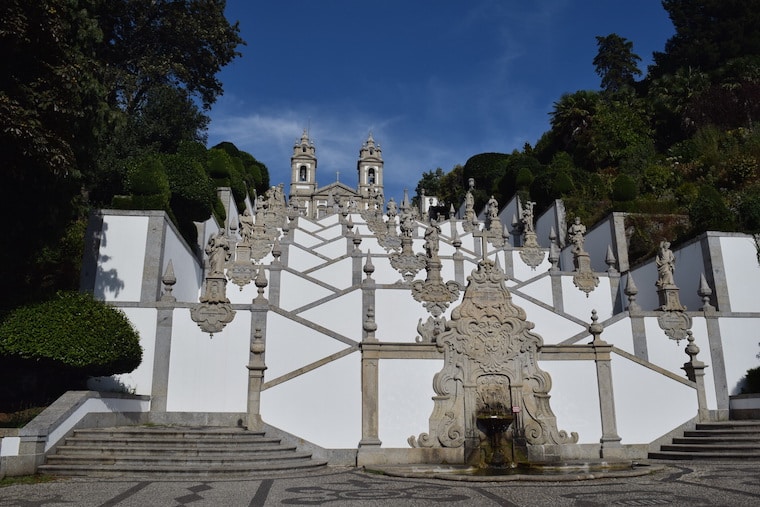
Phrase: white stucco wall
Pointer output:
(741, 346)
(575, 398)
(647, 404)
(208, 374)
(322, 406)
(405, 399)
(187, 269)
(121, 258)
(742, 271)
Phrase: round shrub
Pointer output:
(192, 192)
(624, 188)
(75, 331)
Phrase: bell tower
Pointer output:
(303, 170)
(370, 168)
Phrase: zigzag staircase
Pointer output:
(715, 441)
(174, 451)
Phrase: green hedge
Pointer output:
(75, 331)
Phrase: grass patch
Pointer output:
(25, 479)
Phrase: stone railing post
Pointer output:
(610, 440)
(370, 393)
(256, 360)
(695, 371)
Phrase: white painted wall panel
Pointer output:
(552, 327)
(296, 291)
(322, 406)
(208, 374)
(670, 355)
(741, 346)
(575, 398)
(579, 304)
(524, 272)
(334, 249)
(405, 399)
(305, 240)
(187, 269)
(291, 345)
(540, 288)
(338, 274)
(648, 405)
(742, 270)
(343, 315)
(121, 258)
(399, 314)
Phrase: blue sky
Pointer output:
(435, 82)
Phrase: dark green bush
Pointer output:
(624, 188)
(75, 331)
(752, 381)
(148, 177)
(193, 193)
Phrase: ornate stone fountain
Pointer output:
(492, 399)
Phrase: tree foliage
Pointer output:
(87, 87)
(615, 63)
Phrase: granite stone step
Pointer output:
(715, 441)
(171, 450)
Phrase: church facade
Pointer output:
(314, 202)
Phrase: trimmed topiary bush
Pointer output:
(50, 347)
(75, 330)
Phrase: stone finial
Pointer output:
(452, 212)
(369, 268)
(257, 346)
(595, 329)
(261, 283)
(631, 291)
(168, 280)
(610, 261)
(357, 240)
(705, 292)
(691, 348)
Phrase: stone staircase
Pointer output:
(174, 451)
(736, 440)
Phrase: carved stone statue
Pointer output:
(392, 208)
(493, 209)
(576, 232)
(246, 226)
(527, 218)
(218, 251)
(431, 239)
(666, 265)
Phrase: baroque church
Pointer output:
(313, 201)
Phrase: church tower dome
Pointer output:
(370, 168)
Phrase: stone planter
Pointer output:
(744, 406)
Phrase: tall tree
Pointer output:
(708, 34)
(615, 63)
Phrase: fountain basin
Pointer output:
(563, 471)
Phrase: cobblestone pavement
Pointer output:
(677, 484)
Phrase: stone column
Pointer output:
(153, 263)
(257, 364)
(256, 367)
(160, 384)
(610, 440)
(370, 394)
(557, 299)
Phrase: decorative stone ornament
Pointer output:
(489, 350)
(168, 280)
(531, 252)
(674, 321)
(584, 277)
(433, 293)
(214, 311)
(407, 262)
